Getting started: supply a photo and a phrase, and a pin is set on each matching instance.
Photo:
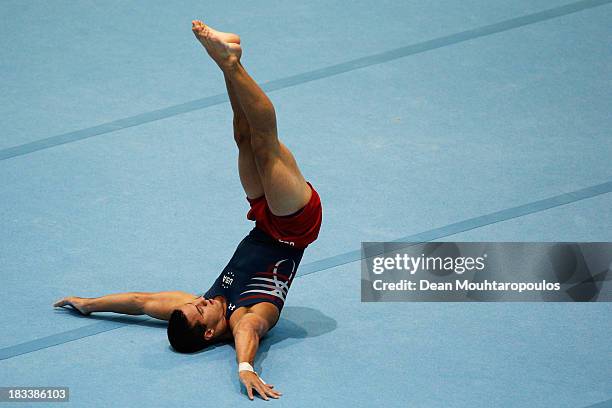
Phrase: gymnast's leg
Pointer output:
(283, 184)
(247, 168)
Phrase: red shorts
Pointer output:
(299, 229)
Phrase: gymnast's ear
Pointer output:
(208, 334)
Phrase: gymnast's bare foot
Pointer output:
(223, 48)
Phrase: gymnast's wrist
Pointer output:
(245, 366)
(87, 305)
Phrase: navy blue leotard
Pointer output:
(261, 270)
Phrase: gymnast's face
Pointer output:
(207, 312)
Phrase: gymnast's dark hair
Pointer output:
(183, 337)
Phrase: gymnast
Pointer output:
(246, 300)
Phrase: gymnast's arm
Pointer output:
(158, 304)
(247, 332)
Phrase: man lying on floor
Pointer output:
(245, 301)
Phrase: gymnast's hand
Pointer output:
(252, 381)
(77, 303)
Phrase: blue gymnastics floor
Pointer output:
(473, 120)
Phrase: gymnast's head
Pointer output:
(196, 325)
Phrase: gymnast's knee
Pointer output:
(265, 147)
